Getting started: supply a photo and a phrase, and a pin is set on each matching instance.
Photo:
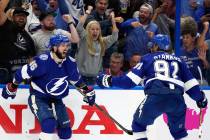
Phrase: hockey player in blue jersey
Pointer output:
(50, 75)
(166, 78)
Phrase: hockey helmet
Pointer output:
(162, 41)
(57, 39)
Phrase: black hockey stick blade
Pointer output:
(129, 132)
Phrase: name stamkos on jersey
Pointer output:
(167, 57)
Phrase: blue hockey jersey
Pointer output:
(161, 70)
(194, 64)
(49, 79)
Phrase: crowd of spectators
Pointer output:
(195, 35)
(108, 36)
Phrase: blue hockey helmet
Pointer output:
(57, 39)
(162, 41)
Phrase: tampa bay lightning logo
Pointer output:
(57, 86)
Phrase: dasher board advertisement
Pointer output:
(88, 123)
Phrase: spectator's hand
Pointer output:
(136, 24)
(112, 15)
(202, 57)
(158, 10)
(26, 5)
(67, 18)
(119, 19)
(89, 96)
(89, 9)
(202, 103)
(9, 91)
(202, 54)
(104, 80)
(9, 13)
(193, 4)
(205, 18)
(205, 26)
(87, 12)
(150, 34)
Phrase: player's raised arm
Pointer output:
(3, 17)
(73, 36)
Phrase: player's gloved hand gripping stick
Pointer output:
(9, 91)
(89, 96)
(201, 104)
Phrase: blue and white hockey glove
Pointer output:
(104, 81)
(89, 96)
(9, 91)
(202, 103)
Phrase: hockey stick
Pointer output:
(129, 132)
(200, 124)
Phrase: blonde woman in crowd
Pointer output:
(92, 47)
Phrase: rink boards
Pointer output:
(88, 123)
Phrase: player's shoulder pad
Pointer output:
(146, 57)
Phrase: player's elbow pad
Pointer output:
(194, 93)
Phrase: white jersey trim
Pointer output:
(164, 78)
(189, 84)
(185, 138)
(34, 86)
(135, 78)
(46, 136)
(34, 105)
(24, 72)
(72, 59)
(139, 135)
(74, 82)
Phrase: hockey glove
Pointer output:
(104, 81)
(89, 96)
(9, 91)
(202, 103)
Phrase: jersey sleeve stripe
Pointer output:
(140, 135)
(135, 78)
(189, 84)
(35, 87)
(34, 105)
(164, 78)
(72, 59)
(24, 72)
(75, 82)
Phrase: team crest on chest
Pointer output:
(57, 86)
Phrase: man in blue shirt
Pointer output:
(166, 77)
(50, 74)
(138, 32)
